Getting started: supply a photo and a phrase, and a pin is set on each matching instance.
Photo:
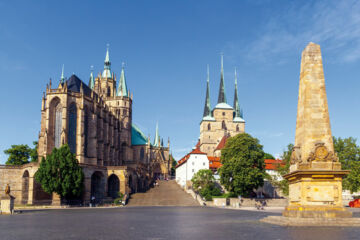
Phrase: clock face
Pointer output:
(321, 153)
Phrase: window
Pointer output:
(193, 163)
(58, 125)
(193, 170)
(142, 154)
(203, 163)
(223, 113)
(223, 126)
(209, 127)
(86, 132)
(72, 128)
(237, 128)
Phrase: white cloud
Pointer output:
(333, 24)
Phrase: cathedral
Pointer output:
(95, 120)
(222, 121)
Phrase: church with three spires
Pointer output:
(222, 121)
(95, 120)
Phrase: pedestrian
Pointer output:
(92, 201)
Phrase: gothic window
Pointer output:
(123, 151)
(223, 126)
(142, 154)
(72, 127)
(124, 112)
(86, 131)
(58, 125)
(237, 128)
(223, 113)
(209, 127)
(108, 91)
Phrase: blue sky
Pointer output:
(166, 46)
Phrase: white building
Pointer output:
(189, 165)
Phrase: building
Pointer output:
(190, 164)
(95, 120)
(223, 120)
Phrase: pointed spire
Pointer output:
(207, 107)
(222, 95)
(92, 80)
(122, 88)
(156, 139)
(236, 100)
(62, 78)
(107, 70)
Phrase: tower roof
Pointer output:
(107, 65)
(91, 80)
(122, 88)
(222, 95)
(157, 137)
(137, 136)
(62, 78)
(74, 84)
(237, 111)
(207, 107)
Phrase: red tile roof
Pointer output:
(222, 143)
(186, 157)
(272, 164)
(214, 162)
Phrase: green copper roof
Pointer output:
(62, 78)
(157, 137)
(91, 80)
(222, 95)
(137, 136)
(122, 88)
(207, 107)
(107, 70)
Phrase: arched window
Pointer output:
(72, 127)
(142, 154)
(58, 125)
(237, 128)
(209, 127)
(86, 131)
(108, 92)
(223, 126)
(123, 151)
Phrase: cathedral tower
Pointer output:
(223, 120)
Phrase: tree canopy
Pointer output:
(204, 183)
(268, 156)
(20, 154)
(243, 168)
(60, 173)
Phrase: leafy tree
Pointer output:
(347, 151)
(173, 165)
(349, 156)
(204, 183)
(268, 156)
(34, 152)
(283, 184)
(61, 173)
(243, 168)
(18, 154)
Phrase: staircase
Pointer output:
(167, 193)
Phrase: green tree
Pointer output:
(60, 173)
(18, 154)
(34, 152)
(204, 183)
(349, 155)
(173, 165)
(243, 168)
(283, 169)
(268, 156)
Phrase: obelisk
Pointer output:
(315, 177)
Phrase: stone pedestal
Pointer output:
(7, 205)
(56, 200)
(316, 194)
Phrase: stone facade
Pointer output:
(95, 120)
(315, 178)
